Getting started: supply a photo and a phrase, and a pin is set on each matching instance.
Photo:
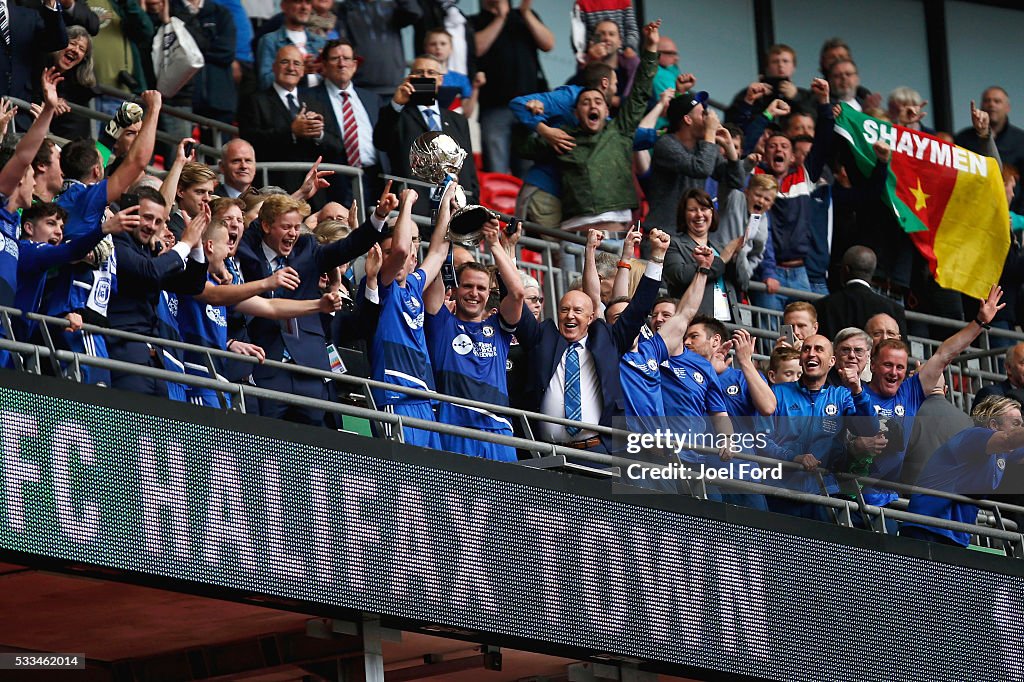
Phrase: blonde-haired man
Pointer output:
(278, 242)
(971, 463)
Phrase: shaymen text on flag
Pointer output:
(951, 201)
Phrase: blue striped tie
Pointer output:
(432, 122)
(573, 402)
(279, 264)
(232, 266)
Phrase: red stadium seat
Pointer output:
(499, 191)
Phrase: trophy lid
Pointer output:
(435, 156)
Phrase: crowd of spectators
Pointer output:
(745, 209)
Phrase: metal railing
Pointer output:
(966, 374)
(979, 366)
(68, 364)
(202, 150)
(354, 173)
(217, 128)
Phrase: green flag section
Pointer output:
(950, 201)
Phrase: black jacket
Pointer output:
(851, 306)
(141, 276)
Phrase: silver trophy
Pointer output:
(437, 158)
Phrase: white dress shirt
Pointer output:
(367, 153)
(283, 94)
(854, 104)
(590, 397)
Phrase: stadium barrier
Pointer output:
(202, 150)
(218, 129)
(546, 455)
(980, 362)
(121, 487)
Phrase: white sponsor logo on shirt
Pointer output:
(215, 315)
(413, 322)
(462, 344)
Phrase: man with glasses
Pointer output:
(668, 67)
(283, 124)
(852, 305)
(350, 113)
(405, 118)
(853, 348)
(881, 326)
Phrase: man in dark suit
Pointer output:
(238, 166)
(597, 347)
(275, 243)
(856, 302)
(142, 274)
(401, 122)
(350, 114)
(25, 36)
(282, 127)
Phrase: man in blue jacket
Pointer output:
(809, 419)
(143, 274)
(971, 463)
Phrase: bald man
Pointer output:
(574, 361)
(668, 66)
(881, 326)
(238, 166)
(809, 419)
(1014, 383)
(856, 302)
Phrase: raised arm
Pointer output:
(401, 238)
(760, 392)
(954, 345)
(27, 147)
(620, 286)
(141, 150)
(438, 249)
(511, 306)
(634, 108)
(169, 187)
(823, 130)
(674, 329)
(591, 280)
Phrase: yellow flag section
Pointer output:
(950, 200)
(971, 241)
